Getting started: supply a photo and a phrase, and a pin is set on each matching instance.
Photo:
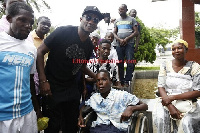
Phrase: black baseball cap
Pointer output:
(93, 9)
(106, 14)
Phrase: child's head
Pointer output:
(94, 38)
(104, 49)
(103, 82)
(109, 36)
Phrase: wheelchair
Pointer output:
(141, 121)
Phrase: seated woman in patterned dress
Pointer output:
(179, 87)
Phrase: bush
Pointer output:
(146, 46)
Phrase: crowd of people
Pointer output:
(56, 76)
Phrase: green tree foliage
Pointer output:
(146, 46)
(1, 9)
(39, 5)
(162, 36)
(197, 29)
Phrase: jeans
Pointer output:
(105, 129)
(126, 52)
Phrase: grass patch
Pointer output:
(144, 88)
(147, 68)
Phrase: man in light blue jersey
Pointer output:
(17, 65)
(125, 30)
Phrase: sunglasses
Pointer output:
(89, 18)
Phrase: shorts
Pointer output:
(24, 124)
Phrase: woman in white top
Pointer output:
(179, 87)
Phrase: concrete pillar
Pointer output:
(187, 29)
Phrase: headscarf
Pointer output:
(95, 34)
(181, 41)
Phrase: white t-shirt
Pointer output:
(104, 28)
(113, 54)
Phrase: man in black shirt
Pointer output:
(58, 81)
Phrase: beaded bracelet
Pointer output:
(44, 81)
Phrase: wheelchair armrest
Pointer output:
(89, 116)
(86, 111)
(92, 116)
(135, 114)
(131, 127)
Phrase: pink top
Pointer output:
(4, 24)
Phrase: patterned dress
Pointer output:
(94, 65)
(187, 79)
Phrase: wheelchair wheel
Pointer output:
(142, 124)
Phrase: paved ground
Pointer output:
(157, 62)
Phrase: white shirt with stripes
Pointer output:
(17, 62)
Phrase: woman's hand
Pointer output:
(167, 100)
(174, 112)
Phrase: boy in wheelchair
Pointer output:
(113, 107)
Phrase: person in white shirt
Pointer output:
(105, 26)
(17, 66)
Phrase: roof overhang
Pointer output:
(158, 0)
(194, 1)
